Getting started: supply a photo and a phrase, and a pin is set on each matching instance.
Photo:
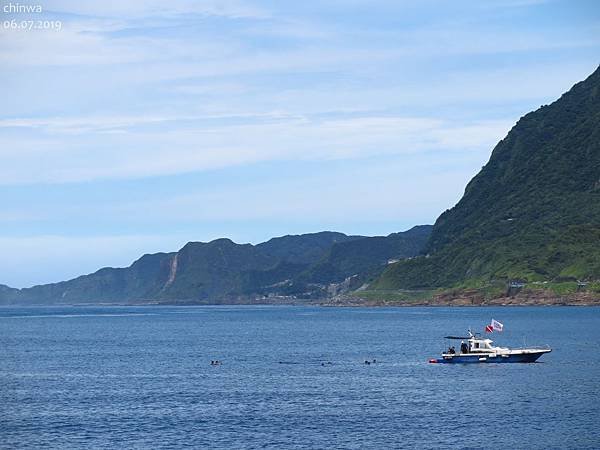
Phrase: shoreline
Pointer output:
(348, 301)
(473, 298)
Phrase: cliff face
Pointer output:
(222, 271)
(533, 212)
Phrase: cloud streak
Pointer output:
(62, 152)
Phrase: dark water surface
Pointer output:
(140, 377)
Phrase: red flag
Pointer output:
(489, 329)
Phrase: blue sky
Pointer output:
(142, 125)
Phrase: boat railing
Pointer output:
(534, 347)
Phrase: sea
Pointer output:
(293, 377)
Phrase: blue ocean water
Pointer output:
(292, 377)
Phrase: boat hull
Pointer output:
(471, 358)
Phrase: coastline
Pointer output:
(469, 298)
(457, 298)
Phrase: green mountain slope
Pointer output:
(367, 256)
(218, 269)
(533, 212)
(305, 248)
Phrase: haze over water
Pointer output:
(292, 377)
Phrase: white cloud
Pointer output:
(80, 43)
(91, 154)
(382, 195)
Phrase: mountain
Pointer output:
(222, 271)
(367, 256)
(8, 294)
(305, 248)
(531, 213)
(142, 280)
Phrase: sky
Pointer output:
(131, 127)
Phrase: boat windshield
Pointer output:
(481, 344)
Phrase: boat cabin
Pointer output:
(473, 343)
(480, 345)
